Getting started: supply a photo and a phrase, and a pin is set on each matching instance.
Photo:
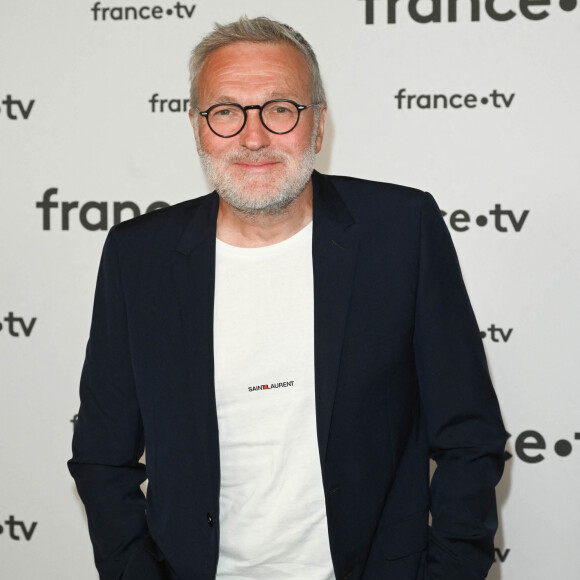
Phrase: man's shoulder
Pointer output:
(365, 197)
(353, 186)
(162, 226)
(167, 216)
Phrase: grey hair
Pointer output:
(259, 29)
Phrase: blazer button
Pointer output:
(209, 520)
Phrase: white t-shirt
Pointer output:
(272, 509)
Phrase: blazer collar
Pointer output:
(327, 203)
(200, 224)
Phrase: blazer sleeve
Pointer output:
(465, 429)
(108, 439)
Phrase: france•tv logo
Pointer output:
(436, 11)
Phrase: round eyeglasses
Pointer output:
(279, 116)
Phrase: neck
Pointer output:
(254, 231)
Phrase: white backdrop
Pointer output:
(77, 116)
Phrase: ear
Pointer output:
(194, 126)
(320, 129)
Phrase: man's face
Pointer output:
(257, 171)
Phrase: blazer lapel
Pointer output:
(334, 249)
(194, 279)
(194, 274)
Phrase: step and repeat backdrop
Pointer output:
(476, 101)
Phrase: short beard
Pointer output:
(275, 197)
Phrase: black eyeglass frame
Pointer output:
(260, 108)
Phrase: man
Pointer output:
(290, 350)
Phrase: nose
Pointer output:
(254, 135)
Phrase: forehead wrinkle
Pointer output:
(265, 84)
(231, 76)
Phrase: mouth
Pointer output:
(256, 166)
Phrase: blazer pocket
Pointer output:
(405, 537)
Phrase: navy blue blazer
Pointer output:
(400, 376)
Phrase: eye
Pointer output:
(279, 109)
(222, 112)
(226, 113)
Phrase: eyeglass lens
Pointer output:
(277, 116)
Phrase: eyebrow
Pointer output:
(225, 99)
